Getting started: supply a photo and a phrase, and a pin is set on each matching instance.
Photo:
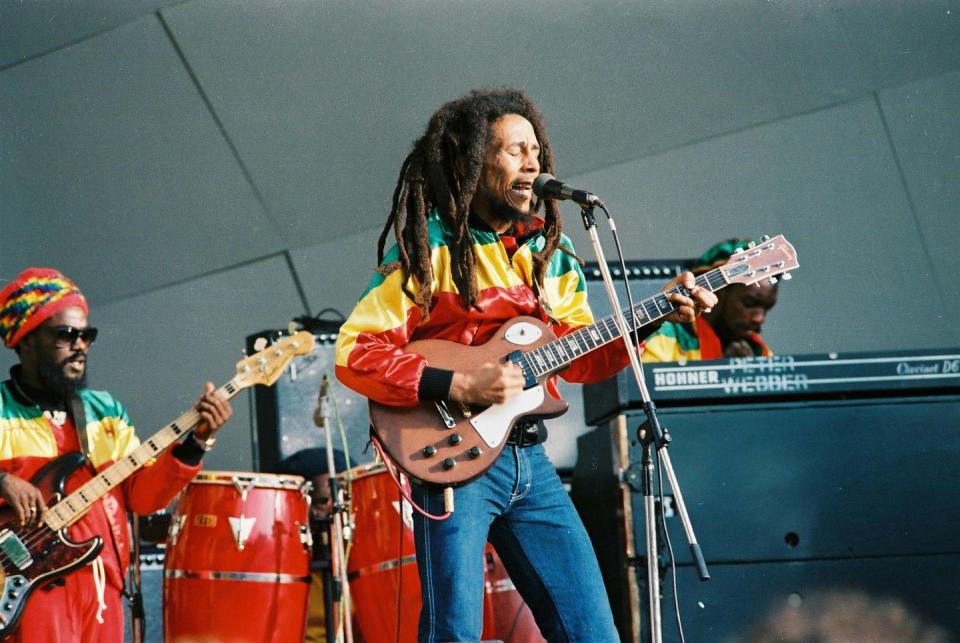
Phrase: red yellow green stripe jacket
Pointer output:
(674, 342)
(370, 357)
(29, 440)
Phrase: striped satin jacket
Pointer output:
(370, 359)
(29, 440)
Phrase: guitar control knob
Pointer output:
(19, 582)
(429, 452)
(12, 594)
(474, 452)
(7, 607)
(449, 463)
(455, 439)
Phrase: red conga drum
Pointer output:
(383, 528)
(238, 560)
(373, 568)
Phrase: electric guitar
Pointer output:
(450, 443)
(38, 554)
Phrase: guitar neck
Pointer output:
(560, 352)
(71, 508)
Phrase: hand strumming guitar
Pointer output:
(24, 498)
(487, 384)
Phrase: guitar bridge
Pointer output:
(15, 550)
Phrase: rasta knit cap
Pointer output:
(717, 254)
(35, 295)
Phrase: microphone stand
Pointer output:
(652, 435)
(338, 516)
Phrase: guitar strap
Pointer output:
(75, 406)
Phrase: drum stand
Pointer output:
(340, 584)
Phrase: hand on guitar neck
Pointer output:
(700, 300)
(487, 384)
(214, 410)
(493, 383)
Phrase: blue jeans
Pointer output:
(520, 505)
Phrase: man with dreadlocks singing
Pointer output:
(471, 253)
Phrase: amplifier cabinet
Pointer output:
(776, 483)
(284, 418)
(738, 596)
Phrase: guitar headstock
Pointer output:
(765, 260)
(266, 366)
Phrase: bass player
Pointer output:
(46, 410)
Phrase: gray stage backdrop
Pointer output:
(208, 169)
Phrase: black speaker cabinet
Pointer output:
(284, 419)
(858, 488)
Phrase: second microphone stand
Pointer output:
(652, 436)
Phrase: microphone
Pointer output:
(547, 187)
(320, 413)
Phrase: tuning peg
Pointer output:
(737, 250)
(773, 281)
(765, 238)
(751, 244)
(786, 276)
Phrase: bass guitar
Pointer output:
(38, 554)
(450, 443)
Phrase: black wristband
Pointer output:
(189, 452)
(434, 384)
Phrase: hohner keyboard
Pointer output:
(780, 376)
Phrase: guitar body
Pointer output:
(36, 555)
(469, 437)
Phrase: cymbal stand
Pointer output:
(651, 434)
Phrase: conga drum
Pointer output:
(238, 560)
(380, 533)
(382, 549)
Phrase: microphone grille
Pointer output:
(540, 182)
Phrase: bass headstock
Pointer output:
(266, 366)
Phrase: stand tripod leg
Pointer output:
(652, 559)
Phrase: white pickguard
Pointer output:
(523, 334)
(494, 423)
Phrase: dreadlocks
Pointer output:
(442, 173)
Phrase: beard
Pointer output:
(53, 375)
(503, 210)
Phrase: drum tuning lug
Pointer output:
(306, 536)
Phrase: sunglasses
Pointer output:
(68, 335)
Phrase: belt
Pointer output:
(526, 433)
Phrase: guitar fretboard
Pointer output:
(560, 352)
(77, 503)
